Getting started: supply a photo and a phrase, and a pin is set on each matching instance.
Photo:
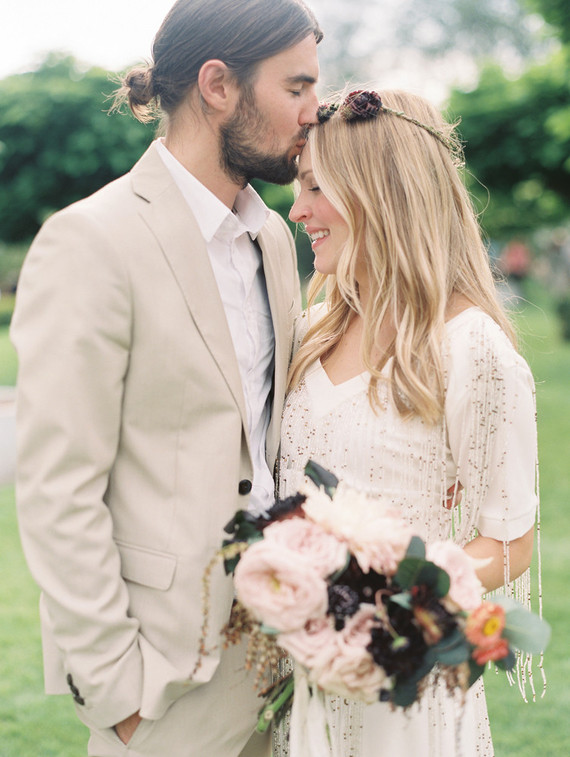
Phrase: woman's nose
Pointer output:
(299, 211)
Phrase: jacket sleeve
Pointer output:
(72, 330)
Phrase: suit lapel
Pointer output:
(169, 218)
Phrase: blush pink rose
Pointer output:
(316, 641)
(280, 588)
(351, 672)
(323, 550)
(466, 589)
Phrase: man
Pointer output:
(153, 330)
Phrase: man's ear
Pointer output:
(218, 87)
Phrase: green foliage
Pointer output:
(563, 310)
(11, 259)
(555, 12)
(58, 143)
(8, 360)
(321, 477)
(517, 136)
(415, 571)
(6, 309)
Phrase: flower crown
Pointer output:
(363, 104)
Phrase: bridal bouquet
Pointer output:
(366, 611)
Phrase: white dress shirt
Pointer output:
(237, 265)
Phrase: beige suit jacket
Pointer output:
(132, 437)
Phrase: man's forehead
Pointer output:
(296, 64)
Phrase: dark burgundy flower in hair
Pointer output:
(361, 104)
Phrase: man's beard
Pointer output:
(240, 157)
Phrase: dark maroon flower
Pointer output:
(283, 509)
(361, 104)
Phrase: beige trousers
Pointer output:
(214, 720)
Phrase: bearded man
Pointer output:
(153, 329)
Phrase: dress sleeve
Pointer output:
(491, 429)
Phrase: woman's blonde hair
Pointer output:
(412, 225)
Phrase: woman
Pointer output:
(406, 383)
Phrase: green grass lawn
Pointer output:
(542, 728)
(32, 725)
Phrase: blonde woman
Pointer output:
(406, 382)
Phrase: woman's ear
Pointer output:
(217, 87)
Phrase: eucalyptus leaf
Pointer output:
(416, 548)
(268, 630)
(523, 630)
(526, 631)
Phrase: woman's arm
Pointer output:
(493, 575)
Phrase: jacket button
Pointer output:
(244, 486)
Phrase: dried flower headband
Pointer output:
(361, 105)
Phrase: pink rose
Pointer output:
(317, 640)
(280, 588)
(351, 672)
(325, 552)
(466, 589)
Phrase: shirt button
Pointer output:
(244, 486)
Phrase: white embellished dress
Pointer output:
(487, 441)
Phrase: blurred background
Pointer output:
(501, 66)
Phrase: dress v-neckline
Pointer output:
(320, 367)
(326, 396)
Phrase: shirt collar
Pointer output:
(211, 214)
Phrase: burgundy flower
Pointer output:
(361, 104)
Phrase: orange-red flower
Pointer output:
(483, 629)
(497, 652)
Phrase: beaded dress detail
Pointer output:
(486, 441)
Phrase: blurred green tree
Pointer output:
(517, 135)
(57, 142)
(555, 13)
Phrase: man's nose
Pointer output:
(308, 115)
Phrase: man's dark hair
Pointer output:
(241, 33)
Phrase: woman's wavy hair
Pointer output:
(241, 33)
(411, 223)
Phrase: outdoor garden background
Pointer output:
(512, 91)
